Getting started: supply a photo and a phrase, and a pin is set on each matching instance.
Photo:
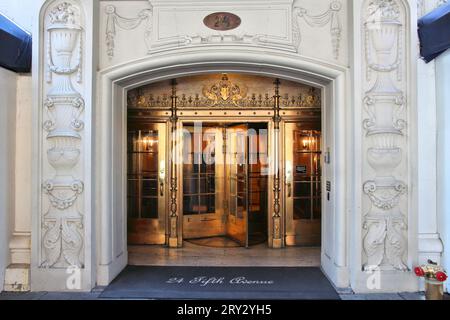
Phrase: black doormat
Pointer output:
(220, 283)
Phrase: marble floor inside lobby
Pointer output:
(195, 255)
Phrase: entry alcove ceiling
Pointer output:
(223, 91)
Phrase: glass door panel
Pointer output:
(202, 183)
(303, 184)
(257, 186)
(237, 183)
(146, 183)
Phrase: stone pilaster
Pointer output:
(62, 220)
(61, 237)
(385, 222)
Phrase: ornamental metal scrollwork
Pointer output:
(225, 93)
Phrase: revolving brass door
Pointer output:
(222, 190)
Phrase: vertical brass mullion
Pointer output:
(247, 186)
(311, 178)
(199, 168)
(276, 217)
(139, 174)
(173, 235)
(225, 177)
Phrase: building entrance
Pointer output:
(226, 161)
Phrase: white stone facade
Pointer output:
(388, 212)
(7, 118)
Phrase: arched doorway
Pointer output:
(116, 82)
(228, 124)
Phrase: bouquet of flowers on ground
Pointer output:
(431, 271)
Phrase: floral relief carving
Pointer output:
(62, 222)
(383, 10)
(384, 239)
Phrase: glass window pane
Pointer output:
(302, 164)
(150, 187)
(133, 188)
(302, 209)
(149, 163)
(240, 207)
(302, 189)
(143, 174)
(190, 185)
(307, 187)
(317, 212)
(211, 184)
(149, 141)
(132, 205)
(199, 173)
(207, 204)
(149, 208)
(203, 185)
(133, 163)
(190, 205)
(233, 205)
(233, 185)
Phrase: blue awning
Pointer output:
(15, 47)
(434, 32)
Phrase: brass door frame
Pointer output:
(248, 116)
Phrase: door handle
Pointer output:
(161, 188)
(288, 177)
(162, 177)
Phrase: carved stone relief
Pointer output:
(441, 3)
(385, 241)
(153, 43)
(425, 6)
(115, 20)
(331, 17)
(62, 222)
